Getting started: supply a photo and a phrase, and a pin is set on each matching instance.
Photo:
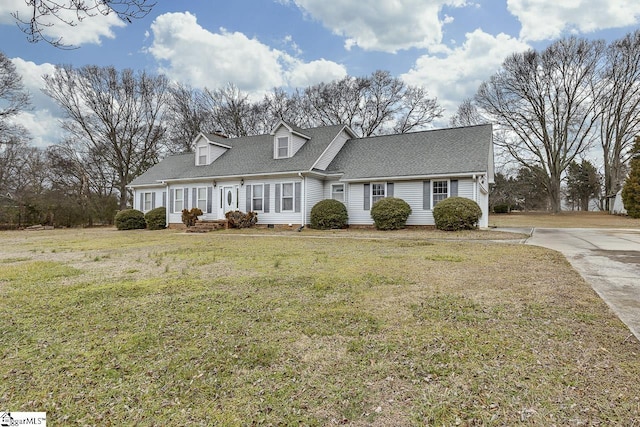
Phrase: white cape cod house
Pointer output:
(282, 175)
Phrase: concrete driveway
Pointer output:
(608, 259)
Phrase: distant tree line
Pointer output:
(120, 123)
(550, 108)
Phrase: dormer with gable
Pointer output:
(287, 140)
(208, 148)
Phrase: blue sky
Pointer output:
(447, 46)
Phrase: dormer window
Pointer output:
(282, 147)
(202, 155)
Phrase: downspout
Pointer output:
(303, 208)
(475, 188)
(166, 208)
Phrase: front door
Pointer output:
(229, 197)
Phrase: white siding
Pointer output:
(412, 193)
(355, 205)
(315, 193)
(332, 150)
(213, 151)
(156, 198)
(176, 217)
(295, 142)
(273, 217)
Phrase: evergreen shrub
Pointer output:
(457, 213)
(390, 213)
(130, 219)
(329, 214)
(156, 218)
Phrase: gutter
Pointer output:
(413, 177)
(230, 177)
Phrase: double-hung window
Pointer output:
(440, 192)
(202, 156)
(178, 200)
(283, 147)
(257, 197)
(287, 196)
(148, 198)
(202, 198)
(337, 192)
(378, 192)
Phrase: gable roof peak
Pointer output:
(291, 127)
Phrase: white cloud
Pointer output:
(383, 25)
(43, 121)
(307, 74)
(549, 19)
(191, 54)
(91, 29)
(458, 74)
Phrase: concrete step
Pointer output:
(204, 226)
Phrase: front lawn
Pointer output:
(100, 327)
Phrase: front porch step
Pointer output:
(205, 225)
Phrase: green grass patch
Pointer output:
(178, 329)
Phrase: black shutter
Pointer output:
(248, 195)
(298, 193)
(277, 198)
(209, 199)
(389, 189)
(171, 197)
(185, 198)
(265, 194)
(453, 191)
(367, 199)
(426, 195)
(153, 200)
(194, 197)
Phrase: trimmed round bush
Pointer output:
(390, 213)
(500, 208)
(156, 218)
(329, 214)
(456, 213)
(130, 219)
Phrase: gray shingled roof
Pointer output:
(433, 152)
(248, 156)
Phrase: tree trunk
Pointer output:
(555, 195)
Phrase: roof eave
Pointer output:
(415, 177)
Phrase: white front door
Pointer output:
(229, 197)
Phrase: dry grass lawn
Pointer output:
(101, 327)
(563, 220)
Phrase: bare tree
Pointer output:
(47, 13)
(115, 116)
(372, 105)
(467, 115)
(618, 103)
(186, 117)
(416, 110)
(279, 105)
(232, 112)
(13, 100)
(545, 102)
(84, 185)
